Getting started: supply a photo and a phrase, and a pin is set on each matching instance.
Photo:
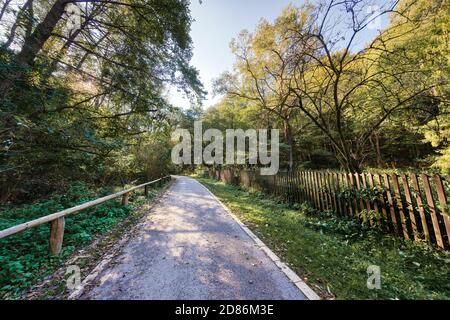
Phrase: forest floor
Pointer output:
(332, 254)
(29, 271)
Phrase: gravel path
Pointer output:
(189, 247)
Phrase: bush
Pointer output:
(25, 257)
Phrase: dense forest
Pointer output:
(90, 104)
(339, 100)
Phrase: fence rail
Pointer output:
(412, 206)
(57, 219)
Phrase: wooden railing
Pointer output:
(413, 206)
(57, 219)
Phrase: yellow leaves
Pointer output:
(438, 134)
(432, 137)
(443, 161)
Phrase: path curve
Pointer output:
(190, 247)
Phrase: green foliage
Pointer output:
(25, 257)
(70, 110)
(373, 219)
(384, 106)
(337, 251)
(366, 194)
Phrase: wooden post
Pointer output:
(57, 219)
(348, 202)
(432, 207)
(391, 202)
(320, 190)
(337, 189)
(420, 208)
(125, 199)
(375, 202)
(353, 188)
(316, 189)
(358, 191)
(294, 187)
(297, 187)
(304, 187)
(443, 201)
(382, 200)
(146, 191)
(56, 235)
(342, 187)
(308, 186)
(410, 207)
(328, 191)
(399, 203)
(332, 186)
(365, 185)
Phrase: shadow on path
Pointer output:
(189, 247)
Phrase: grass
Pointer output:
(332, 254)
(25, 259)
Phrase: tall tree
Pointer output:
(347, 89)
(263, 75)
(72, 96)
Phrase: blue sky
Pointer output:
(216, 23)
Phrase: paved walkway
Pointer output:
(189, 247)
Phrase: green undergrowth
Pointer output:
(25, 257)
(333, 253)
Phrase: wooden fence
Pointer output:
(413, 206)
(57, 219)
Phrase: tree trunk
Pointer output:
(375, 142)
(349, 163)
(33, 44)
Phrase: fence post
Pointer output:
(420, 206)
(125, 199)
(56, 235)
(443, 200)
(146, 191)
(391, 202)
(410, 207)
(351, 184)
(432, 208)
(342, 185)
(375, 201)
(332, 185)
(399, 205)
